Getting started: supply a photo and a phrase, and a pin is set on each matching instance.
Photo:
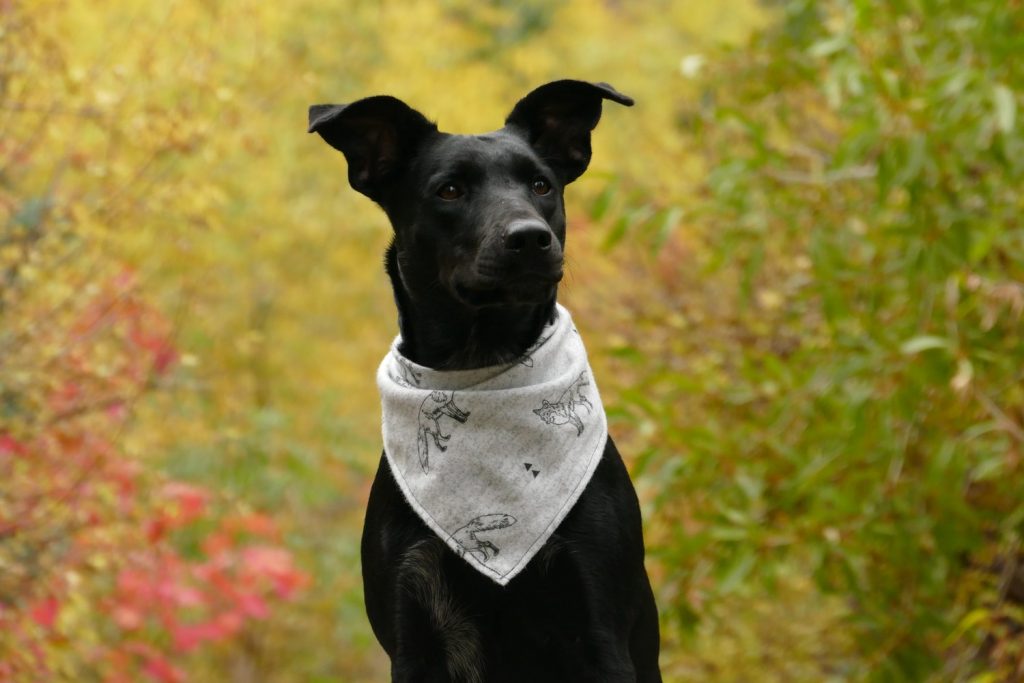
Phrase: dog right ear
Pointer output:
(557, 118)
(376, 135)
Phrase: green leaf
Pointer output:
(729, 533)
(828, 46)
(616, 233)
(737, 572)
(667, 225)
(599, 208)
(984, 677)
(32, 212)
(924, 343)
(1006, 108)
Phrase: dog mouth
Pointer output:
(523, 290)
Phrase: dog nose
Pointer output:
(528, 236)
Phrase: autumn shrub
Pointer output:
(109, 570)
(827, 376)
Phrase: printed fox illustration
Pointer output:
(563, 411)
(481, 548)
(436, 405)
(408, 377)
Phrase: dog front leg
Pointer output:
(611, 662)
(437, 640)
(436, 644)
(419, 658)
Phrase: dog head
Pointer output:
(478, 219)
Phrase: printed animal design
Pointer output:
(481, 548)
(436, 405)
(409, 376)
(563, 411)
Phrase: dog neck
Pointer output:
(443, 333)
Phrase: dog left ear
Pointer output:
(377, 135)
(556, 119)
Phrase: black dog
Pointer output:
(477, 255)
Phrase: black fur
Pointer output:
(477, 255)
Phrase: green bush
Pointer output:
(830, 382)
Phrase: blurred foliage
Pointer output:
(815, 370)
(827, 377)
(110, 569)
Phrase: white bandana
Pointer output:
(493, 459)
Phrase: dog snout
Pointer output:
(526, 238)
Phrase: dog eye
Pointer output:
(449, 192)
(540, 186)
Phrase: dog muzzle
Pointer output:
(493, 459)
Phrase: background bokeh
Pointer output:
(798, 264)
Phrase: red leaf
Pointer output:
(228, 623)
(255, 523)
(274, 564)
(266, 560)
(160, 669)
(189, 636)
(253, 606)
(190, 500)
(127, 617)
(155, 529)
(11, 446)
(125, 280)
(45, 612)
(217, 543)
(164, 358)
(186, 596)
(117, 411)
